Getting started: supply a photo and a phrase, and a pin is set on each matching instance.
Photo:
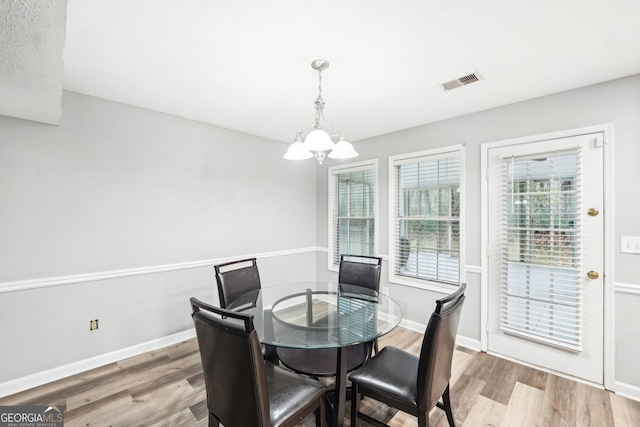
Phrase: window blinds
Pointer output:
(540, 291)
(353, 216)
(427, 218)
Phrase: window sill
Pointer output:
(423, 284)
(334, 268)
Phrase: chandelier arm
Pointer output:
(311, 127)
(326, 124)
(319, 122)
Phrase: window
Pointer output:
(426, 218)
(352, 210)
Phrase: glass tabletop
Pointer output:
(318, 314)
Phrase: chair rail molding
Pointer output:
(627, 288)
(22, 285)
(475, 269)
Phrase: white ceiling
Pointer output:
(245, 65)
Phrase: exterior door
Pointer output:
(545, 254)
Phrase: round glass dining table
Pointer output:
(320, 315)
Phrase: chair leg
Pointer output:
(355, 406)
(213, 421)
(271, 355)
(446, 401)
(423, 419)
(320, 414)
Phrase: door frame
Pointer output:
(608, 238)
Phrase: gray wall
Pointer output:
(616, 102)
(118, 188)
(627, 338)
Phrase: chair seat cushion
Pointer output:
(391, 375)
(289, 393)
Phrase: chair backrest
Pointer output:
(434, 369)
(234, 371)
(360, 270)
(236, 278)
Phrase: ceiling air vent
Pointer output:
(462, 81)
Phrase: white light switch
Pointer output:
(630, 244)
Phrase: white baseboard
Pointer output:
(40, 378)
(628, 390)
(469, 343)
(460, 340)
(413, 326)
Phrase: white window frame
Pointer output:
(406, 158)
(333, 171)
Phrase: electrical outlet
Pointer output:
(93, 325)
(385, 290)
(630, 244)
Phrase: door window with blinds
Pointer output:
(426, 220)
(352, 210)
(541, 247)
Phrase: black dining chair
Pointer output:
(243, 390)
(236, 278)
(409, 383)
(361, 270)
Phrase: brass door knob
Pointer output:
(592, 212)
(593, 275)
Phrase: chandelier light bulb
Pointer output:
(297, 151)
(318, 140)
(343, 150)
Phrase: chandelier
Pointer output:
(317, 139)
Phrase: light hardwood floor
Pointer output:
(166, 388)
